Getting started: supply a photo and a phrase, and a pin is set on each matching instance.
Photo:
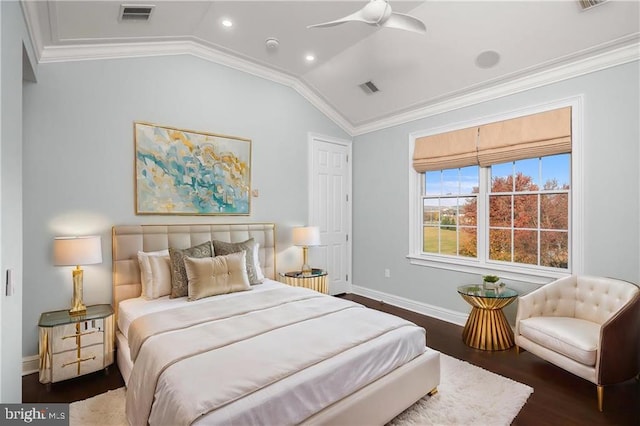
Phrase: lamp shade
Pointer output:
(73, 251)
(306, 236)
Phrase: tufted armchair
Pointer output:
(589, 326)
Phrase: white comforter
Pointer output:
(189, 365)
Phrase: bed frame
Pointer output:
(376, 403)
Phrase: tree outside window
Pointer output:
(526, 219)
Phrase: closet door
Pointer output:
(330, 209)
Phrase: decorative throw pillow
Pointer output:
(179, 281)
(147, 278)
(161, 273)
(251, 247)
(216, 275)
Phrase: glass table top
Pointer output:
(479, 291)
(54, 318)
(297, 274)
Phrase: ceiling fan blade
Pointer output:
(378, 13)
(405, 22)
(356, 16)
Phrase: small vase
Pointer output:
(487, 285)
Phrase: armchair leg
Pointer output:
(600, 397)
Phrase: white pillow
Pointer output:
(156, 275)
(161, 276)
(256, 262)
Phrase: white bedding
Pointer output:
(300, 394)
(131, 309)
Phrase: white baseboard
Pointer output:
(30, 364)
(437, 312)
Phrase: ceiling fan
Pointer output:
(378, 13)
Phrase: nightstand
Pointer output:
(74, 345)
(316, 281)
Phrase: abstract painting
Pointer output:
(184, 172)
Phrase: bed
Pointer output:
(276, 354)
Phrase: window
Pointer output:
(450, 212)
(524, 218)
(528, 212)
(500, 196)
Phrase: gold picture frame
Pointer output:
(186, 172)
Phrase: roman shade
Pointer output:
(446, 150)
(536, 135)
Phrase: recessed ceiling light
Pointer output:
(309, 58)
(227, 23)
(488, 59)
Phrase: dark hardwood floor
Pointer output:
(559, 398)
(71, 390)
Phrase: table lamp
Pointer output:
(70, 251)
(306, 236)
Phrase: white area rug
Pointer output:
(467, 395)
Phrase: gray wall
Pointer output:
(78, 169)
(611, 197)
(78, 157)
(14, 38)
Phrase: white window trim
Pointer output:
(522, 273)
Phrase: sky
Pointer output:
(462, 181)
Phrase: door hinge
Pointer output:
(347, 196)
(346, 278)
(346, 236)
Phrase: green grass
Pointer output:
(447, 240)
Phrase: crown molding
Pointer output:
(67, 53)
(601, 57)
(33, 26)
(618, 53)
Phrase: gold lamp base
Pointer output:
(78, 308)
(306, 269)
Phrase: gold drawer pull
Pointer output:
(78, 361)
(79, 334)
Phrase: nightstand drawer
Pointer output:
(90, 332)
(73, 345)
(65, 364)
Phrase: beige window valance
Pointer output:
(446, 151)
(537, 135)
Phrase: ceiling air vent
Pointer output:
(588, 4)
(369, 88)
(135, 12)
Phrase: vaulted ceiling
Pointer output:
(534, 42)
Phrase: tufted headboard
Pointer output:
(128, 240)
